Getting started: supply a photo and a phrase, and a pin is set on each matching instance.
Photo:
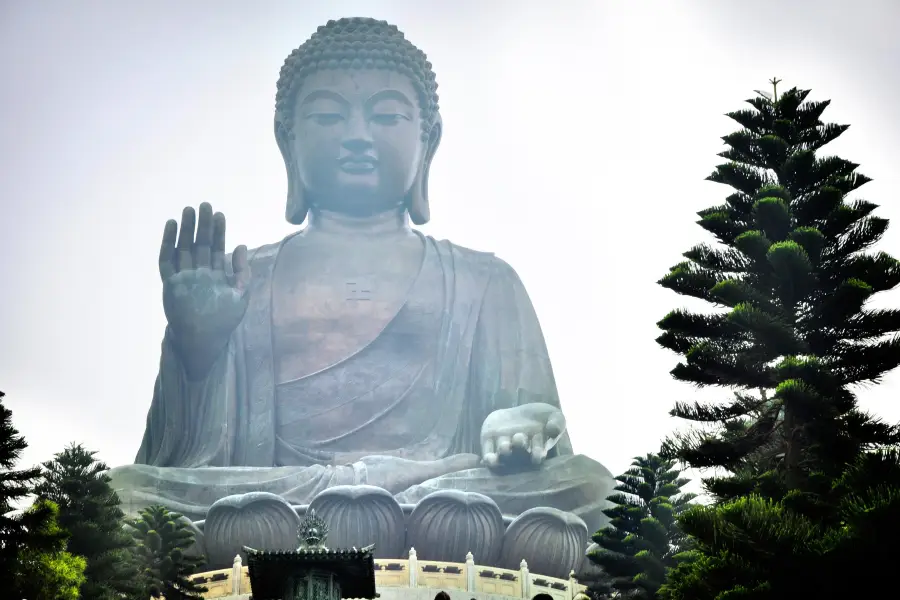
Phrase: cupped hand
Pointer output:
(200, 298)
(529, 428)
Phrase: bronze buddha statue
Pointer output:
(357, 351)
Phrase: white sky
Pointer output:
(577, 136)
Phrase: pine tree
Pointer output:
(31, 530)
(865, 540)
(793, 274)
(758, 548)
(89, 510)
(642, 540)
(47, 574)
(163, 539)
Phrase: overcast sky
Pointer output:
(577, 138)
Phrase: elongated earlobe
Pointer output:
(419, 211)
(296, 209)
(296, 203)
(417, 203)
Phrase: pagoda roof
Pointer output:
(353, 569)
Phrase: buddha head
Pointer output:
(357, 122)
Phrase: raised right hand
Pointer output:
(203, 303)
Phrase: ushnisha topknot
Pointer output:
(356, 43)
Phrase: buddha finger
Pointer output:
(241, 268)
(186, 239)
(203, 243)
(487, 452)
(504, 445)
(538, 451)
(520, 441)
(556, 425)
(217, 261)
(167, 250)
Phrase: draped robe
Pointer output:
(465, 342)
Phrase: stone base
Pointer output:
(258, 519)
(359, 515)
(448, 524)
(553, 542)
(443, 526)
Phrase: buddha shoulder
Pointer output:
(265, 252)
(483, 264)
(258, 255)
(478, 264)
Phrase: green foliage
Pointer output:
(755, 547)
(32, 531)
(642, 539)
(48, 574)
(89, 510)
(163, 538)
(793, 276)
(811, 496)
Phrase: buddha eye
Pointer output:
(325, 119)
(388, 118)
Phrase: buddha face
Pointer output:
(357, 140)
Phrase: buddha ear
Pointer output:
(419, 209)
(296, 210)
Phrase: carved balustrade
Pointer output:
(415, 573)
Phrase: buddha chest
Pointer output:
(332, 296)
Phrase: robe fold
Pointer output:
(403, 412)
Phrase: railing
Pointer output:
(415, 573)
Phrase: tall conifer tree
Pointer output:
(163, 541)
(89, 510)
(793, 274)
(32, 530)
(642, 539)
(55, 574)
(809, 476)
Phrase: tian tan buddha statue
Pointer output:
(397, 384)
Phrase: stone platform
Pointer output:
(444, 526)
(415, 579)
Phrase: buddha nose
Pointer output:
(358, 137)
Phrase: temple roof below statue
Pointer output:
(353, 569)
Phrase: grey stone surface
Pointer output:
(359, 515)
(356, 351)
(256, 519)
(447, 524)
(588, 567)
(553, 542)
